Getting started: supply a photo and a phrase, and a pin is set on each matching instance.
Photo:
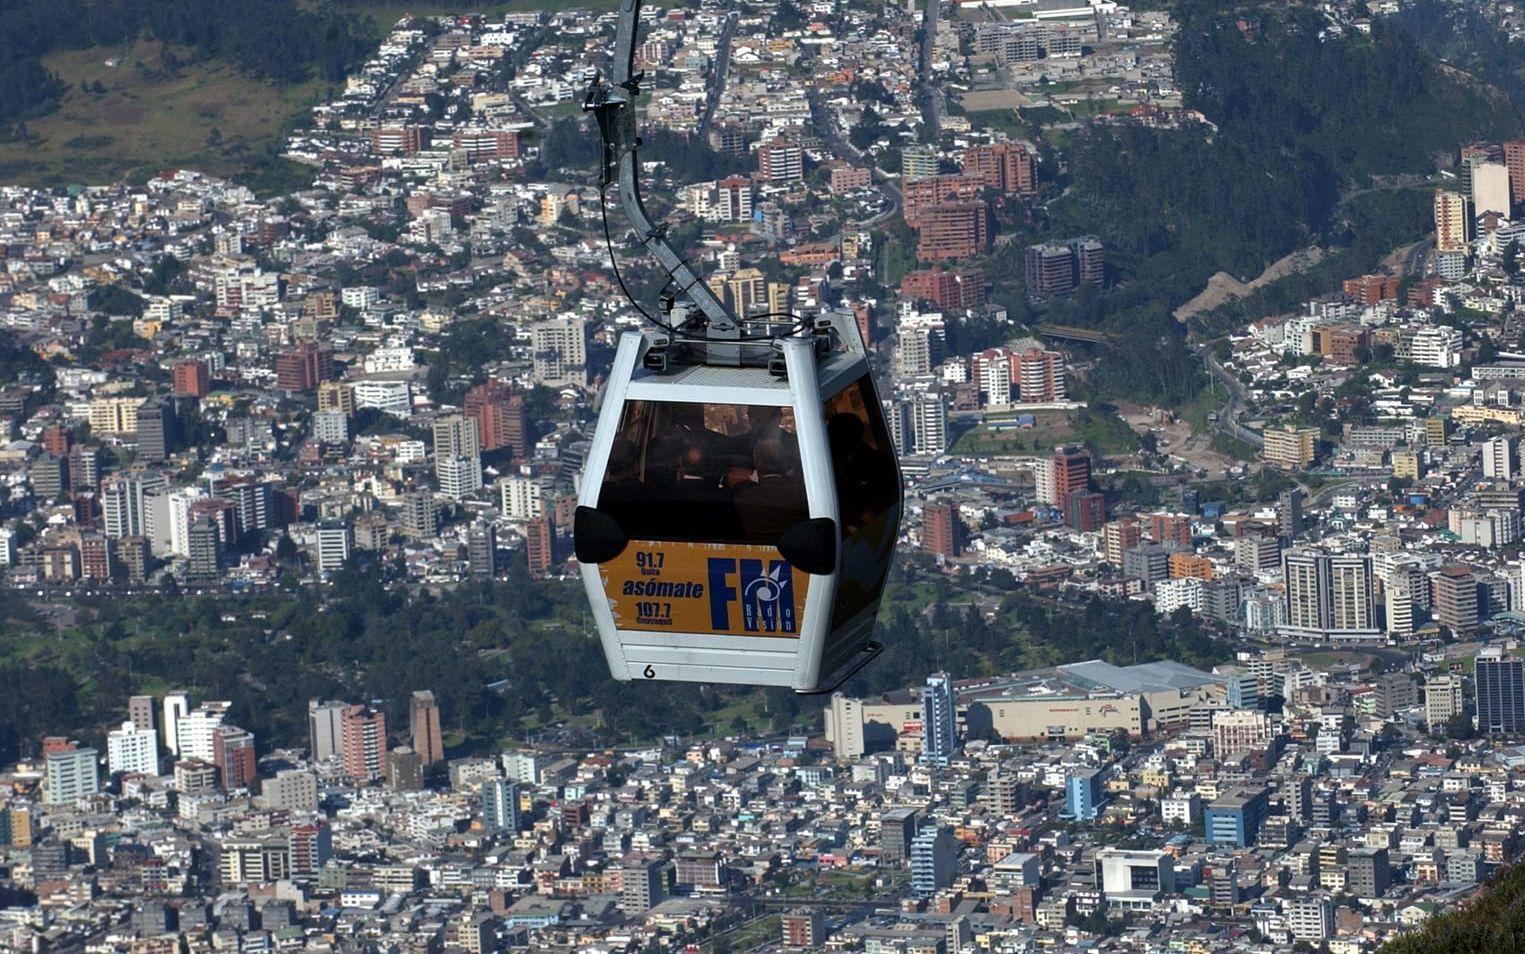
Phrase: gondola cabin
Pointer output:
(736, 520)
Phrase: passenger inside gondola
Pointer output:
(774, 499)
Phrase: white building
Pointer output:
(1181, 808)
(197, 731)
(520, 498)
(176, 705)
(1134, 880)
(1044, 486)
(1171, 595)
(1490, 189)
(1402, 598)
(360, 297)
(560, 349)
(393, 397)
(523, 767)
(1438, 346)
(168, 525)
(995, 381)
(389, 359)
(929, 424)
(1310, 917)
(1496, 528)
(1499, 462)
(334, 543)
(71, 775)
(131, 750)
(125, 502)
(330, 427)
(459, 477)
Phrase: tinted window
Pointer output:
(868, 496)
(721, 473)
(862, 457)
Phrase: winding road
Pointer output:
(1228, 415)
(826, 128)
(722, 67)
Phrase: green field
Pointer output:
(757, 932)
(204, 115)
(1094, 107)
(1104, 433)
(1340, 657)
(1008, 121)
(383, 15)
(151, 117)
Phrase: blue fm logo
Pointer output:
(767, 598)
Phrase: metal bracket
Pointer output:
(611, 103)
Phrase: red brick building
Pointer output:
(57, 439)
(1340, 343)
(1370, 289)
(942, 532)
(803, 929)
(233, 754)
(811, 253)
(303, 368)
(1170, 529)
(1086, 512)
(1072, 474)
(484, 145)
(953, 231)
(540, 546)
(1040, 376)
(363, 732)
(780, 160)
(1006, 167)
(1423, 294)
(392, 140)
(946, 290)
(1514, 158)
(920, 196)
(846, 178)
(95, 557)
(192, 379)
(500, 416)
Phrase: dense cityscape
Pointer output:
(1203, 634)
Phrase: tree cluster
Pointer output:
(495, 654)
(1305, 122)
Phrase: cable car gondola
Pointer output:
(741, 498)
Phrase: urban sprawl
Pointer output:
(396, 368)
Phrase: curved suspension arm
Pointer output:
(613, 105)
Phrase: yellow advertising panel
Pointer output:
(719, 589)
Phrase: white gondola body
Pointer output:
(698, 610)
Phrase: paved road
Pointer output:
(826, 127)
(722, 66)
(1326, 493)
(932, 101)
(1415, 262)
(1228, 415)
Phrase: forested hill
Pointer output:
(1349, 106)
(1302, 116)
(1463, 35)
(497, 654)
(1493, 921)
(275, 40)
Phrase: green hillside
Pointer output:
(1493, 921)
